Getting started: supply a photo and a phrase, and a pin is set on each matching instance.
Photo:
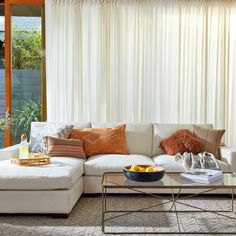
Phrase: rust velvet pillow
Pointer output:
(101, 140)
(182, 141)
(64, 147)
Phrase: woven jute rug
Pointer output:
(85, 219)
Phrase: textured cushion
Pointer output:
(37, 127)
(162, 131)
(211, 139)
(101, 140)
(62, 173)
(64, 147)
(138, 137)
(59, 131)
(182, 141)
(170, 165)
(97, 165)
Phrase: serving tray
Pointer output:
(38, 160)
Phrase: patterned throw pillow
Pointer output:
(210, 138)
(64, 147)
(101, 140)
(53, 130)
(182, 141)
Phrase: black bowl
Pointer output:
(144, 176)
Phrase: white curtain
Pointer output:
(167, 61)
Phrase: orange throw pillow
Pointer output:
(182, 141)
(101, 140)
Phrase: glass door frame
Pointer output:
(8, 63)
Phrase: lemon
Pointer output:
(134, 168)
(141, 169)
(149, 169)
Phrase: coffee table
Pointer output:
(174, 182)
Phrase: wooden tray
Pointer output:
(37, 161)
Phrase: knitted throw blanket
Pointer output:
(204, 160)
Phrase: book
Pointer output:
(202, 175)
(216, 181)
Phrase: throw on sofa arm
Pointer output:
(229, 155)
(8, 152)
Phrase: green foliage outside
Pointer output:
(26, 49)
(2, 128)
(22, 118)
(21, 121)
(26, 54)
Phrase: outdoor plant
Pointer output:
(23, 116)
(26, 49)
(2, 132)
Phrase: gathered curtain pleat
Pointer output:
(168, 61)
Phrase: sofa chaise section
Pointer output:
(50, 189)
(53, 189)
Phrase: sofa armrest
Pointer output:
(229, 155)
(9, 152)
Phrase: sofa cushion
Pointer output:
(57, 131)
(138, 137)
(162, 131)
(62, 173)
(37, 127)
(64, 147)
(210, 138)
(101, 140)
(182, 141)
(97, 165)
(170, 165)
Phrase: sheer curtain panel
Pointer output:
(167, 61)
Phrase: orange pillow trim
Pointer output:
(101, 140)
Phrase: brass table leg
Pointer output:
(233, 200)
(103, 210)
(174, 203)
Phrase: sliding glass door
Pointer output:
(2, 76)
(22, 80)
(26, 41)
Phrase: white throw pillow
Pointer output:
(53, 130)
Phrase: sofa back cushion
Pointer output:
(138, 136)
(163, 131)
(37, 127)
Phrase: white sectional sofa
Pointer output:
(55, 188)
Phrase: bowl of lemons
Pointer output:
(144, 173)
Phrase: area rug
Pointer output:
(85, 218)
